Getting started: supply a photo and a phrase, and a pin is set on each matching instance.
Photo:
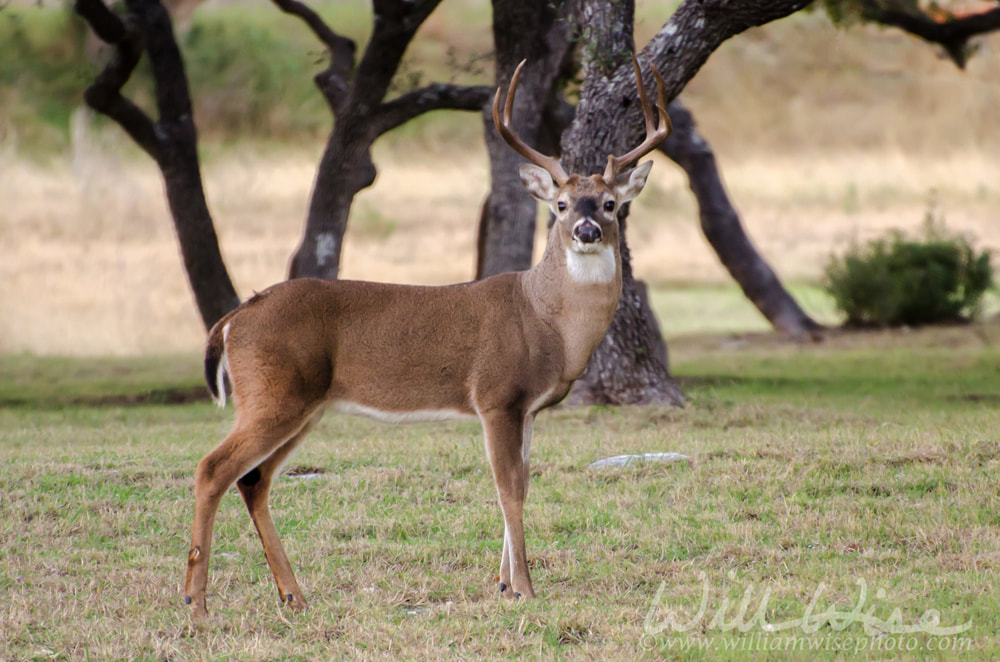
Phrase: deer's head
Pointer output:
(586, 207)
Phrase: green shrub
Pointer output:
(896, 281)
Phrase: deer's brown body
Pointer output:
(320, 342)
(500, 349)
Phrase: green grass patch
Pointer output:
(688, 308)
(33, 382)
(685, 309)
(42, 76)
(862, 470)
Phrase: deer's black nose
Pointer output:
(587, 232)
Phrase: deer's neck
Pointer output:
(576, 295)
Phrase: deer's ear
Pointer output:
(539, 182)
(629, 183)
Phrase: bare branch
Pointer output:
(438, 96)
(952, 33)
(720, 222)
(333, 81)
(678, 50)
(409, 13)
(104, 95)
(312, 19)
(106, 25)
(695, 30)
(173, 100)
(396, 21)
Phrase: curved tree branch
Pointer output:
(438, 96)
(396, 21)
(104, 95)
(678, 50)
(356, 92)
(951, 32)
(105, 23)
(333, 82)
(721, 225)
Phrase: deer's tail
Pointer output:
(217, 360)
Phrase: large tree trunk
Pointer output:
(630, 364)
(608, 121)
(722, 227)
(532, 30)
(345, 169)
(171, 141)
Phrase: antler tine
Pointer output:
(551, 164)
(654, 134)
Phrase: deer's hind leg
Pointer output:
(254, 487)
(254, 440)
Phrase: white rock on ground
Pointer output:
(626, 460)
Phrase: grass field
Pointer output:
(836, 493)
(857, 476)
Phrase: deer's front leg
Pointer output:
(505, 432)
(527, 430)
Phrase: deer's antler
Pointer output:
(550, 163)
(654, 134)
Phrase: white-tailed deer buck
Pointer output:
(499, 349)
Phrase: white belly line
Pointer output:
(386, 416)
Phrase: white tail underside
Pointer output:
(221, 370)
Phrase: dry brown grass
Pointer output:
(824, 137)
(92, 266)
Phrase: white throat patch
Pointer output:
(592, 267)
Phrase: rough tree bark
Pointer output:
(536, 31)
(171, 140)
(721, 226)
(355, 93)
(627, 367)
(630, 365)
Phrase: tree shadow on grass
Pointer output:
(178, 395)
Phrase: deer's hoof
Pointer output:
(294, 603)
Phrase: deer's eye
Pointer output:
(561, 205)
(609, 205)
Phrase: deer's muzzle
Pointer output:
(587, 232)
